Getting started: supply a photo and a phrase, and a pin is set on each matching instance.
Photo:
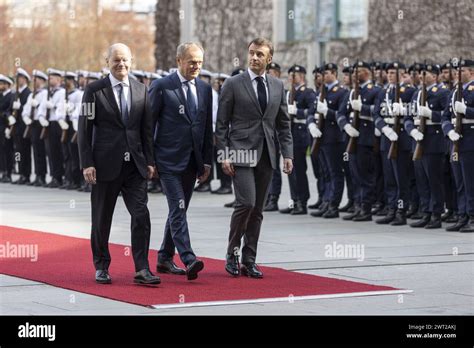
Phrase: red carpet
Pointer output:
(66, 262)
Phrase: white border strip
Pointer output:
(289, 299)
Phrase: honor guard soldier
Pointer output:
(332, 146)
(6, 143)
(458, 125)
(33, 128)
(362, 159)
(429, 145)
(395, 144)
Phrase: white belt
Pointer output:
(389, 120)
(295, 120)
(428, 123)
(366, 118)
(464, 121)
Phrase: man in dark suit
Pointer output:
(181, 106)
(252, 106)
(116, 153)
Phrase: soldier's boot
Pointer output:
(321, 211)
(332, 212)
(447, 215)
(425, 220)
(435, 222)
(356, 213)
(349, 205)
(469, 227)
(272, 203)
(300, 208)
(316, 205)
(388, 218)
(400, 218)
(462, 221)
(365, 214)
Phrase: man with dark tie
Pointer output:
(181, 106)
(252, 106)
(116, 154)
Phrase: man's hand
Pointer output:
(287, 166)
(322, 108)
(16, 105)
(417, 135)
(356, 104)
(228, 168)
(460, 107)
(205, 175)
(425, 111)
(453, 136)
(351, 131)
(314, 130)
(390, 133)
(292, 110)
(151, 172)
(89, 175)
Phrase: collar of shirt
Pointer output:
(330, 86)
(183, 80)
(6, 92)
(299, 86)
(21, 89)
(115, 81)
(253, 76)
(365, 83)
(464, 86)
(431, 86)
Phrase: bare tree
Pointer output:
(167, 32)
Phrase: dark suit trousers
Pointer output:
(54, 150)
(103, 198)
(251, 186)
(178, 188)
(39, 151)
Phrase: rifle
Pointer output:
(352, 144)
(317, 141)
(15, 112)
(458, 124)
(44, 131)
(422, 127)
(66, 100)
(292, 93)
(450, 77)
(376, 139)
(26, 133)
(74, 136)
(393, 152)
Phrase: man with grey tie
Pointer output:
(116, 153)
(252, 105)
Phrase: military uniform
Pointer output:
(6, 143)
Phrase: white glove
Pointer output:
(49, 104)
(34, 102)
(356, 104)
(292, 110)
(322, 108)
(7, 133)
(43, 122)
(417, 135)
(460, 107)
(377, 132)
(315, 132)
(27, 120)
(390, 133)
(69, 107)
(398, 109)
(16, 105)
(75, 124)
(424, 111)
(453, 136)
(63, 124)
(351, 131)
(11, 120)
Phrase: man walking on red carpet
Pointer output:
(116, 153)
(252, 105)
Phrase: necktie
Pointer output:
(123, 104)
(262, 94)
(191, 101)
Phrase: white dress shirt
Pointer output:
(40, 97)
(184, 87)
(58, 111)
(125, 93)
(253, 77)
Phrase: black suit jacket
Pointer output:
(103, 138)
(20, 125)
(5, 105)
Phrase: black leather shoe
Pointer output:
(387, 219)
(169, 267)
(146, 277)
(349, 205)
(6, 179)
(462, 221)
(364, 215)
(383, 212)
(425, 220)
(223, 190)
(21, 181)
(435, 222)
(205, 187)
(321, 211)
(316, 205)
(54, 183)
(102, 276)
(64, 185)
(194, 268)
(230, 204)
(331, 213)
(377, 207)
(417, 216)
(357, 211)
(452, 219)
(72, 187)
(286, 210)
(251, 270)
(272, 203)
(299, 208)
(232, 265)
(40, 182)
(400, 218)
(412, 211)
(447, 214)
(469, 227)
